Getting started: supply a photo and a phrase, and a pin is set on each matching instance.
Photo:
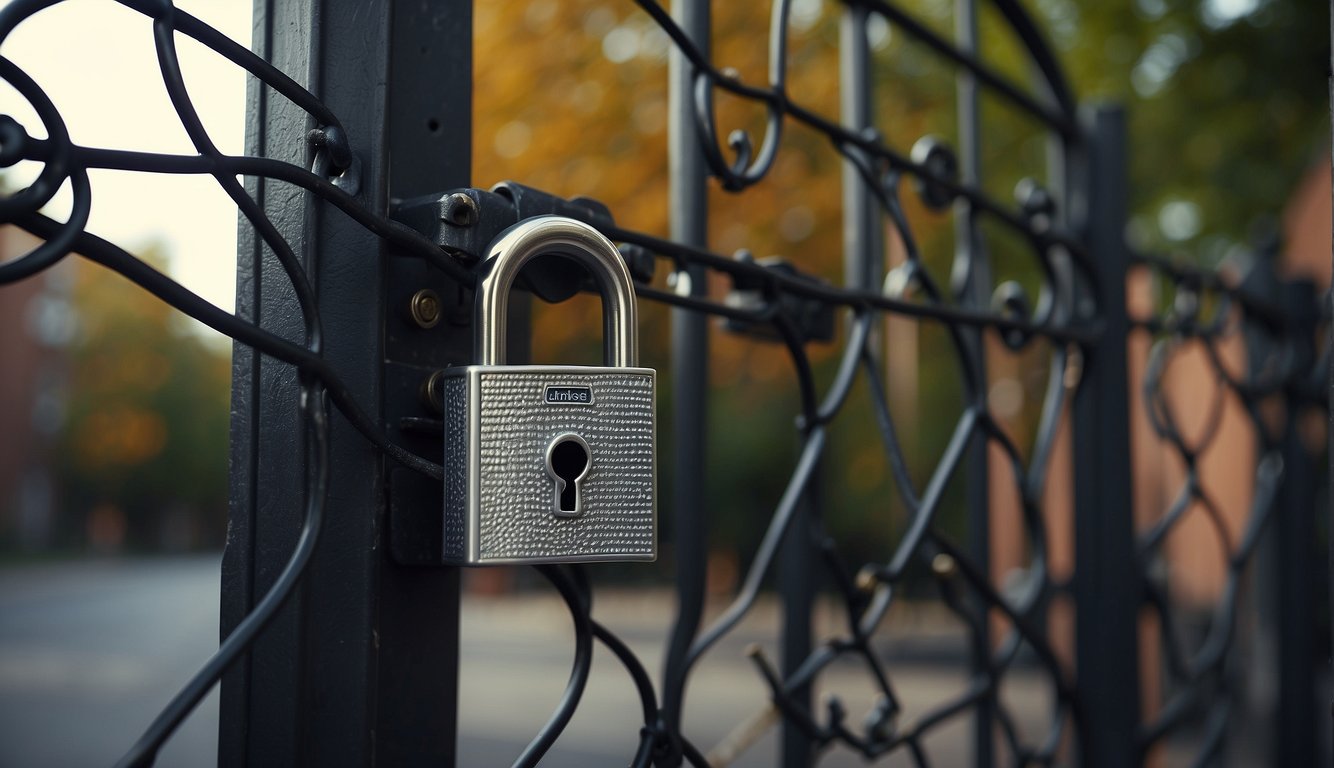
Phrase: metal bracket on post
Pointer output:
(465, 221)
(813, 320)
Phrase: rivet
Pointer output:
(433, 393)
(425, 308)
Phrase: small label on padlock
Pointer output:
(569, 395)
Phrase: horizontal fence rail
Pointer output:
(1139, 675)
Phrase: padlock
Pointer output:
(548, 464)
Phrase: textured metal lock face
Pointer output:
(503, 424)
(498, 504)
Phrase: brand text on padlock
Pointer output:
(569, 395)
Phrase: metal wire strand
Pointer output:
(314, 410)
(583, 664)
(113, 257)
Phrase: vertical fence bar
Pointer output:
(972, 281)
(1106, 582)
(797, 583)
(1261, 283)
(690, 357)
(1291, 540)
(360, 667)
(1284, 565)
(1329, 400)
(862, 266)
(863, 249)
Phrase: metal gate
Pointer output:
(341, 627)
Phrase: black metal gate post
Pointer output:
(1293, 547)
(1106, 581)
(360, 668)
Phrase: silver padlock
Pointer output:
(549, 464)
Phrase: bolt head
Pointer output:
(433, 393)
(460, 210)
(425, 308)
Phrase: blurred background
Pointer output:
(114, 409)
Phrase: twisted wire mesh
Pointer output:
(1237, 353)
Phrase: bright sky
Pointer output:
(96, 61)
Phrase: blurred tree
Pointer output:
(1228, 104)
(143, 450)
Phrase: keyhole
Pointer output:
(567, 463)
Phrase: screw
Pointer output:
(433, 393)
(460, 210)
(943, 565)
(866, 579)
(425, 308)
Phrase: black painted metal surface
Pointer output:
(389, 629)
(1107, 576)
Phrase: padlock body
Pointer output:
(499, 423)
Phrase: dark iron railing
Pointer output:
(359, 665)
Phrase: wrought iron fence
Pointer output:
(360, 664)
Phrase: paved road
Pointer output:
(89, 651)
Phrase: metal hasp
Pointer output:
(505, 498)
(467, 220)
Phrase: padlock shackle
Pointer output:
(528, 239)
